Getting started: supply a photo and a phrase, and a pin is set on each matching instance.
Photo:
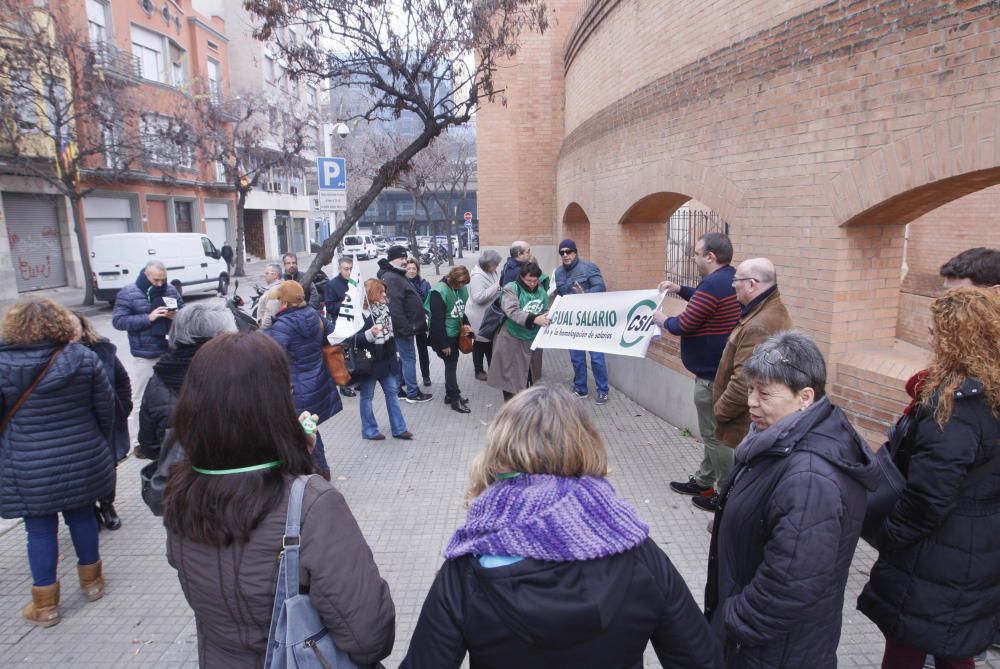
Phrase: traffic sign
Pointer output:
(468, 216)
(468, 223)
(332, 176)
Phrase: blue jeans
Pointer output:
(579, 360)
(43, 542)
(390, 388)
(319, 455)
(407, 349)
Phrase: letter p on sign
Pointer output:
(332, 174)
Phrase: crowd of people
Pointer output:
(551, 566)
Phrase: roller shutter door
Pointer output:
(216, 222)
(35, 241)
(106, 216)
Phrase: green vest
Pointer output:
(534, 303)
(454, 306)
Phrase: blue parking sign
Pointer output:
(332, 173)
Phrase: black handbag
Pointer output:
(492, 320)
(357, 359)
(154, 475)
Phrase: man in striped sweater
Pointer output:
(704, 326)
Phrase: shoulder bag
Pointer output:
(297, 637)
(27, 391)
(333, 357)
(466, 338)
(492, 320)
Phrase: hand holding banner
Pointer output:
(619, 322)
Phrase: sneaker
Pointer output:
(602, 398)
(420, 397)
(481, 376)
(692, 487)
(401, 394)
(579, 394)
(706, 503)
(347, 391)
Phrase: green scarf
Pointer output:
(534, 302)
(454, 306)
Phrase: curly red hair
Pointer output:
(966, 335)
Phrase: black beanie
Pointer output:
(567, 244)
(395, 252)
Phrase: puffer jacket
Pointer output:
(302, 332)
(115, 371)
(54, 453)
(158, 400)
(231, 588)
(131, 313)
(784, 539)
(936, 584)
(581, 271)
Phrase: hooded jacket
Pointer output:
(583, 614)
(54, 453)
(936, 584)
(301, 332)
(783, 541)
(133, 305)
(405, 304)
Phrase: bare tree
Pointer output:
(250, 142)
(434, 60)
(453, 171)
(71, 114)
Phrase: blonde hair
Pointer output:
(34, 320)
(89, 334)
(541, 430)
(966, 335)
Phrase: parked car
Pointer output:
(193, 262)
(362, 246)
(381, 244)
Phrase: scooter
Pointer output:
(246, 317)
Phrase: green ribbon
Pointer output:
(238, 470)
(507, 475)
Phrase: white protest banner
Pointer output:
(620, 322)
(349, 319)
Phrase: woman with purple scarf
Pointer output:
(552, 568)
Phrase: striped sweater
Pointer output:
(704, 326)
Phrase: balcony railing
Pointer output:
(227, 110)
(114, 63)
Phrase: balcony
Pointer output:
(114, 64)
(226, 110)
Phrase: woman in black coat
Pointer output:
(552, 568)
(789, 518)
(936, 585)
(88, 335)
(56, 411)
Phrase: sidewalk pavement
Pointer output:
(407, 497)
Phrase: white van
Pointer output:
(362, 246)
(190, 258)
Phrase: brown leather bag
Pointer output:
(333, 356)
(466, 339)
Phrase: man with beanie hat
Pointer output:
(406, 308)
(576, 275)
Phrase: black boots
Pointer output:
(459, 404)
(106, 515)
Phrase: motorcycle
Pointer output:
(246, 316)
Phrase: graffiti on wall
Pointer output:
(33, 252)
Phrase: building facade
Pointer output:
(857, 145)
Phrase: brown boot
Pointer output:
(91, 580)
(44, 607)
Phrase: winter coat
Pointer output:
(587, 613)
(313, 291)
(784, 539)
(301, 332)
(483, 290)
(54, 453)
(333, 295)
(115, 371)
(936, 584)
(131, 313)
(231, 588)
(759, 321)
(158, 400)
(405, 303)
(513, 358)
(511, 270)
(581, 271)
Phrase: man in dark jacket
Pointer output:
(314, 291)
(408, 318)
(227, 254)
(146, 310)
(576, 275)
(520, 253)
(334, 292)
(704, 326)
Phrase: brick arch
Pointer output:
(576, 226)
(903, 180)
(654, 191)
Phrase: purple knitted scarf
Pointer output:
(546, 517)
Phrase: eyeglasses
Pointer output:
(566, 252)
(737, 279)
(774, 356)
